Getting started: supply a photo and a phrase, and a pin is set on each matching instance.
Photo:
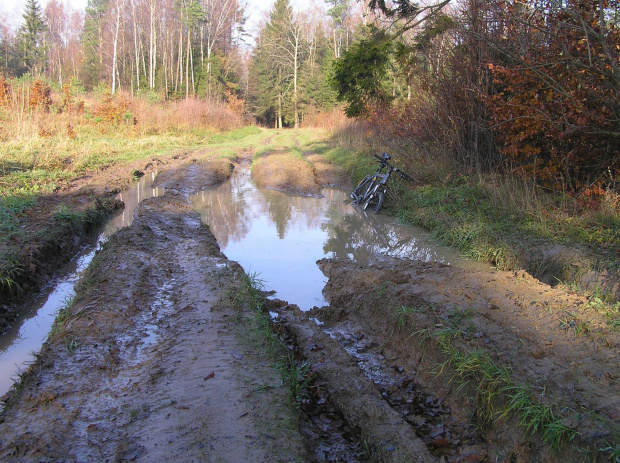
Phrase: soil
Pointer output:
(157, 359)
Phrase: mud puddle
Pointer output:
(279, 237)
(30, 330)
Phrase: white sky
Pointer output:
(14, 9)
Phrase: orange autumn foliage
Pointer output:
(556, 109)
(40, 96)
(112, 108)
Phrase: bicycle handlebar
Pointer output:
(384, 162)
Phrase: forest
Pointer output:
(527, 87)
(505, 116)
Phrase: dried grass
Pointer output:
(332, 120)
(65, 133)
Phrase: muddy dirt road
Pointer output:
(165, 354)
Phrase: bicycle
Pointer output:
(374, 187)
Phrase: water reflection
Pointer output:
(281, 236)
(28, 332)
(132, 197)
(360, 236)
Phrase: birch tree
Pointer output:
(118, 5)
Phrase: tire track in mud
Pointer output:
(352, 392)
(156, 374)
(401, 312)
(376, 395)
(147, 364)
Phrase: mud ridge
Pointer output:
(427, 317)
(353, 393)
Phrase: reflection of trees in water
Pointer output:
(279, 209)
(359, 236)
(230, 209)
(225, 210)
(142, 190)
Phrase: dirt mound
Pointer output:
(194, 174)
(327, 173)
(523, 355)
(286, 172)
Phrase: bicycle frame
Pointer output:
(374, 187)
(368, 183)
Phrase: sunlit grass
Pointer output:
(496, 394)
(485, 216)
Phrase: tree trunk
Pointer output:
(187, 65)
(179, 80)
(119, 4)
(135, 42)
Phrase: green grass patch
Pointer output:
(496, 394)
(466, 217)
(10, 209)
(10, 272)
(235, 135)
(355, 163)
(91, 217)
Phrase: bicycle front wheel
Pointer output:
(375, 201)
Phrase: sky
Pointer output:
(15, 8)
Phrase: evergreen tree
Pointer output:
(276, 65)
(92, 42)
(359, 75)
(316, 92)
(32, 38)
(262, 87)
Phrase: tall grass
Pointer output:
(453, 198)
(44, 143)
(325, 120)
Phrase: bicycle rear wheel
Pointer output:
(361, 190)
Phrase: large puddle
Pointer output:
(275, 236)
(280, 237)
(30, 330)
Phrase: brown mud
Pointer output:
(45, 244)
(158, 358)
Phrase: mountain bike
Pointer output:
(371, 190)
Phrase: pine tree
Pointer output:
(316, 91)
(92, 42)
(32, 38)
(262, 87)
(277, 62)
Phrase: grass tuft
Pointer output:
(10, 272)
(496, 393)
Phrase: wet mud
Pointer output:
(153, 360)
(147, 364)
(45, 244)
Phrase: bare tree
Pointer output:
(118, 6)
